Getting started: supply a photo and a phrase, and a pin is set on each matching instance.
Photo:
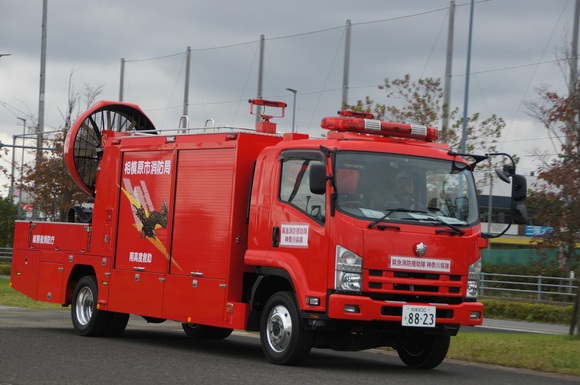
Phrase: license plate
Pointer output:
(418, 316)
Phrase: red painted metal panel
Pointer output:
(50, 275)
(144, 207)
(60, 236)
(194, 300)
(136, 292)
(24, 274)
(203, 212)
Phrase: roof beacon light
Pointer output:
(356, 114)
(264, 124)
(378, 127)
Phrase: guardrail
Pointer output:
(502, 286)
(528, 287)
(5, 255)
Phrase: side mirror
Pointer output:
(519, 192)
(317, 178)
(519, 213)
(503, 176)
(519, 188)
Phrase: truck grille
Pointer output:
(412, 286)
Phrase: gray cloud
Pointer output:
(514, 46)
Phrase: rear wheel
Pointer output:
(205, 332)
(424, 351)
(86, 318)
(283, 337)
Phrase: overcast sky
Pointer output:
(516, 44)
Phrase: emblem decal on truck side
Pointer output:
(150, 220)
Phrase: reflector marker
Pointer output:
(346, 123)
(417, 130)
(372, 124)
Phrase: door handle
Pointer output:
(276, 236)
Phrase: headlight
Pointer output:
(473, 279)
(348, 270)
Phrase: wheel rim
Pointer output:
(84, 306)
(279, 328)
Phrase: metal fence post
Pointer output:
(576, 312)
(539, 297)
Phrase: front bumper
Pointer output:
(359, 308)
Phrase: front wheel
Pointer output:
(424, 351)
(282, 335)
(86, 318)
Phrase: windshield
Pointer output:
(390, 187)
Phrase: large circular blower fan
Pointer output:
(84, 141)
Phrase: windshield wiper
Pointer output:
(456, 230)
(389, 212)
(430, 217)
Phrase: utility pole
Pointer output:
(573, 81)
(346, 66)
(467, 71)
(186, 91)
(122, 79)
(293, 109)
(448, 68)
(40, 131)
(260, 77)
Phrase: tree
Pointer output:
(555, 199)
(8, 212)
(48, 183)
(421, 102)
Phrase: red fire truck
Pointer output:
(366, 237)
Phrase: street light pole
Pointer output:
(12, 173)
(293, 108)
(21, 166)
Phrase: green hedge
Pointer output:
(5, 269)
(522, 311)
(548, 270)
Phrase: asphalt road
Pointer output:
(40, 347)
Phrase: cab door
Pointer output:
(298, 221)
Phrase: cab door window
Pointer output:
(295, 187)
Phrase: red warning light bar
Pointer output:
(378, 127)
(269, 103)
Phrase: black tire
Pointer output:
(86, 318)
(424, 351)
(201, 332)
(282, 335)
(118, 324)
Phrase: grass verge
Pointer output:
(558, 353)
(10, 297)
(543, 352)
